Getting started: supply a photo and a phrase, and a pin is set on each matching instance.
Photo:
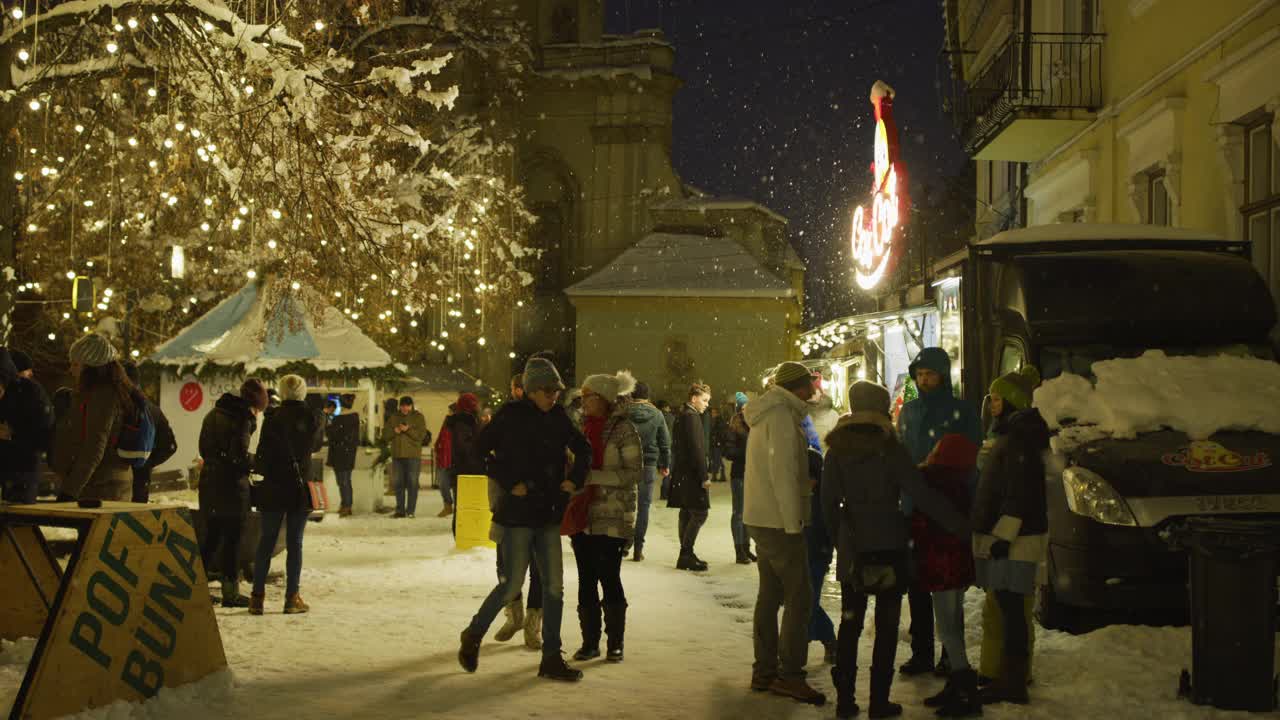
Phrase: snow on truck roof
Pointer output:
(1077, 232)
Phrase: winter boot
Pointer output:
(615, 627)
(797, 689)
(533, 629)
(689, 561)
(963, 701)
(943, 668)
(918, 665)
(845, 683)
(589, 621)
(702, 564)
(741, 552)
(515, 621)
(750, 555)
(881, 681)
(469, 651)
(942, 698)
(1011, 686)
(344, 511)
(293, 605)
(235, 601)
(445, 511)
(256, 601)
(557, 669)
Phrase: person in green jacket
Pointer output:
(404, 431)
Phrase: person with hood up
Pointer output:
(736, 453)
(290, 435)
(617, 464)
(921, 424)
(866, 475)
(224, 481)
(85, 455)
(944, 567)
(776, 510)
(656, 441)
(1011, 525)
(689, 481)
(26, 423)
(526, 446)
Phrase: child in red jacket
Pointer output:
(944, 564)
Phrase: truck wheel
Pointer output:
(1054, 615)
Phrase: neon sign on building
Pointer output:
(874, 230)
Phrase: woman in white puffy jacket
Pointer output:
(617, 465)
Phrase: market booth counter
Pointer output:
(128, 616)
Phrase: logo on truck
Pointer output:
(873, 231)
(1210, 457)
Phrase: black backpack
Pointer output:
(166, 445)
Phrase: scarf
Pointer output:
(594, 429)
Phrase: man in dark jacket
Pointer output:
(921, 424)
(736, 453)
(656, 441)
(224, 480)
(526, 446)
(26, 422)
(689, 481)
(165, 443)
(343, 434)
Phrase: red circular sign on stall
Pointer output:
(191, 396)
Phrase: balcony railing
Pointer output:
(1031, 71)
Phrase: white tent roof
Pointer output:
(241, 330)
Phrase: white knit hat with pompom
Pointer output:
(610, 387)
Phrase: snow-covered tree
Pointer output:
(170, 150)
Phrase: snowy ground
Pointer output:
(389, 598)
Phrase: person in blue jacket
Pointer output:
(921, 424)
(821, 548)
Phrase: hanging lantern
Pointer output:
(82, 295)
(177, 263)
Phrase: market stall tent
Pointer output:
(265, 329)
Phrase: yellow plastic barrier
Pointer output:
(472, 511)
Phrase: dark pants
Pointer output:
(736, 528)
(404, 476)
(20, 486)
(821, 629)
(853, 612)
(784, 583)
(343, 478)
(691, 522)
(224, 531)
(535, 580)
(644, 498)
(142, 484)
(599, 559)
(921, 604)
(295, 522)
(715, 464)
(1016, 641)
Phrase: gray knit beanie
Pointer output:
(92, 350)
(865, 396)
(540, 374)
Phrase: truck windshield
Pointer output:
(1079, 359)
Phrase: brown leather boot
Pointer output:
(293, 605)
(255, 603)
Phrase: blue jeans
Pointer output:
(295, 522)
(344, 487)
(948, 612)
(404, 478)
(20, 486)
(448, 485)
(821, 629)
(643, 501)
(736, 527)
(519, 546)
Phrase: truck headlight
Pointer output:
(1092, 497)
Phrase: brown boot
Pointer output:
(293, 605)
(344, 512)
(445, 511)
(255, 603)
(797, 689)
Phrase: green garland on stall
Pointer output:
(389, 377)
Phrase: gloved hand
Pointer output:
(1000, 549)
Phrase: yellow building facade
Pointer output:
(1123, 111)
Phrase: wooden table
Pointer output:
(131, 614)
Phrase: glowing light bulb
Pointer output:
(275, 214)
(248, 89)
(204, 226)
(151, 92)
(180, 126)
(168, 144)
(511, 355)
(481, 342)
(251, 274)
(135, 353)
(319, 25)
(444, 333)
(52, 336)
(133, 142)
(34, 104)
(208, 202)
(296, 286)
(23, 55)
(16, 13)
(71, 275)
(133, 24)
(112, 47)
(271, 244)
(18, 176)
(244, 210)
(208, 26)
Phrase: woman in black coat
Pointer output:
(343, 434)
(289, 437)
(689, 475)
(224, 480)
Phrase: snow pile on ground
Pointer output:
(1196, 395)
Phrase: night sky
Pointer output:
(775, 108)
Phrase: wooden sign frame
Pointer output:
(131, 614)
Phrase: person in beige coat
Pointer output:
(84, 444)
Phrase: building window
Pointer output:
(564, 24)
(1159, 207)
(1262, 198)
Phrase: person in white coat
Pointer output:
(776, 509)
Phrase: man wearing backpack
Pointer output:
(26, 419)
(165, 444)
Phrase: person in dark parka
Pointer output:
(290, 435)
(343, 434)
(224, 480)
(26, 427)
(689, 481)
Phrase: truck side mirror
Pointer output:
(986, 412)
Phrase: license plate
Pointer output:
(1235, 503)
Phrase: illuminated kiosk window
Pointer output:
(873, 233)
